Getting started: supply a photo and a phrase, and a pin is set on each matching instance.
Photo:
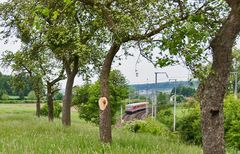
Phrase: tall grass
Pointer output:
(21, 132)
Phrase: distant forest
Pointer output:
(164, 86)
(7, 86)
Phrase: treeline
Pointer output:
(165, 86)
(8, 86)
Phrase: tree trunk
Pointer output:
(50, 102)
(214, 87)
(105, 115)
(66, 110)
(38, 107)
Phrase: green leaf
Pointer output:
(67, 1)
(45, 12)
(55, 15)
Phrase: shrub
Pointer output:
(31, 95)
(190, 103)
(189, 126)
(232, 121)
(57, 109)
(5, 96)
(165, 116)
(148, 126)
(190, 130)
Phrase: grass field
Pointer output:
(21, 132)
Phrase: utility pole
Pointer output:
(174, 105)
(235, 73)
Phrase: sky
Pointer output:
(146, 71)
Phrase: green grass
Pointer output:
(21, 132)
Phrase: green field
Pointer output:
(21, 132)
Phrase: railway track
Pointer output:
(137, 115)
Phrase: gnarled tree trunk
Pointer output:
(214, 87)
(105, 115)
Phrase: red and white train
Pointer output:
(134, 107)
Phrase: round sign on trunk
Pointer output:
(102, 102)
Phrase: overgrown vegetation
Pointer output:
(21, 132)
(56, 112)
(188, 122)
(149, 126)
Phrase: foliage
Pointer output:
(57, 109)
(162, 98)
(86, 97)
(5, 96)
(232, 121)
(184, 91)
(148, 126)
(190, 103)
(31, 95)
(165, 116)
(234, 68)
(58, 96)
(81, 94)
(180, 98)
(7, 85)
(189, 126)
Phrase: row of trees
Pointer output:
(68, 37)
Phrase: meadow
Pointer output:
(21, 132)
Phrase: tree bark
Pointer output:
(66, 110)
(38, 95)
(50, 93)
(214, 88)
(105, 115)
(50, 102)
(38, 107)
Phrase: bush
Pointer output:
(189, 126)
(165, 116)
(5, 96)
(190, 130)
(57, 109)
(148, 126)
(232, 121)
(31, 95)
(190, 103)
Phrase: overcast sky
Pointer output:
(128, 66)
(144, 68)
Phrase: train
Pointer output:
(134, 107)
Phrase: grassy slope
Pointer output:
(21, 132)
